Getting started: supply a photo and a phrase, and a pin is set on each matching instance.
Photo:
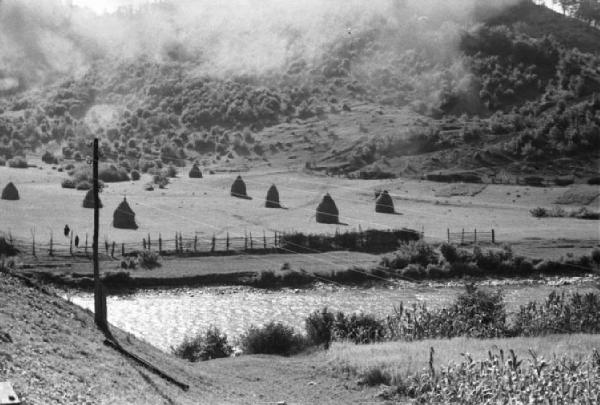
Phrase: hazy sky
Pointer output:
(100, 6)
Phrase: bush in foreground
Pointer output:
(358, 328)
(319, 327)
(273, 338)
(212, 344)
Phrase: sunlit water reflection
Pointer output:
(165, 317)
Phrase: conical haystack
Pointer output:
(272, 198)
(10, 192)
(238, 188)
(195, 172)
(327, 212)
(88, 201)
(124, 217)
(384, 203)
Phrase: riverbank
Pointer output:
(53, 354)
(298, 270)
(267, 271)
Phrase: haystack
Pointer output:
(384, 203)
(124, 217)
(88, 201)
(195, 172)
(10, 192)
(238, 188)
(272, 198)
(327, 212)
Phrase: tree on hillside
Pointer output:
(585, 10)
(567, 6)
(588, 11)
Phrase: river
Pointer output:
(164, 317)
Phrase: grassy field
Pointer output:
(402, 359)
(204, 207)
(202, 271)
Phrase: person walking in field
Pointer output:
(67, 231)
(77, 241)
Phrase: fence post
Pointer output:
(50, 250)
(195, 242)
(176, 243)
(251, 242)
(112, 252)
(33, 243)
(159, 244)
(123, 249)
(71, 245)
(213, 243)
(180, 242)
(448, 230)
(149, 243)
(106, 245)
(462, 237)
(85, 246)
(264, 240)
(245, 241)
(143, 243)
(493, 236)
(275, 238)
(227, 243)
(475, 236)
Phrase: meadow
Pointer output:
(203, 207)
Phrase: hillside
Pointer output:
(52, 352)
(495, 89)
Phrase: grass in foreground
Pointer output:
(559, 368)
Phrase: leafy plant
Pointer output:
(273, 338)
(319, 327)
(211, 344)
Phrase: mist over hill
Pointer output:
(402, 87)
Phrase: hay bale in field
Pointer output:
(195, 172)
(327, 211)
(238, 188)
(272, 198)
(88, 201)
(10, 192)
(124, 217)
(384, 203)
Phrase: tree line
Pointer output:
(585, 10)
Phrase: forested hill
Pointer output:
(512, 87)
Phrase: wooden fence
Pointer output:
(81, 246)
(471, 238)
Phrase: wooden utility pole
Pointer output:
(99, 296)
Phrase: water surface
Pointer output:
(165, 317)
